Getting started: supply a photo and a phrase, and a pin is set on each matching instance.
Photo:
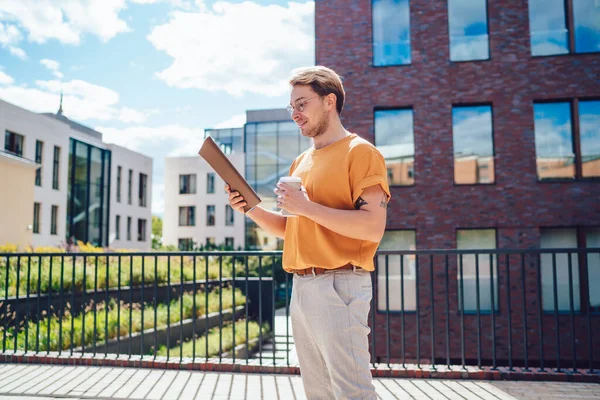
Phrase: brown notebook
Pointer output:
(215, 157)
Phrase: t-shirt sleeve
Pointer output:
(368, 170)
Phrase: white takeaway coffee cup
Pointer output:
(296, 183)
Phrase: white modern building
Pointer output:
(58, 183)
(197, 211)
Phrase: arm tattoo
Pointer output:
(359, 203)
(384, 201)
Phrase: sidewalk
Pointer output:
(18, 381)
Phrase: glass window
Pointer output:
(229, 243)
(128, 228)
(210, 182)
(210, 242)
(187, 184)
(210, 215)
(473, 144)
(592, 240)
(36, 217)
(119, 173)
(129, 186)
(553, 239)
(228, 215)
(476, 269)
(555, 157)
(141, 236)
(589, 133)
(586, 17)
(401, 272)
(143, 190)
(468, 27)
(548, 25)
(187, 216)
(55, 168)
(13, 142)
(39, 147)
(186, 244)
(391, 32)
(118, 227)
(54, 220)
(395, 140)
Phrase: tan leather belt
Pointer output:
(319, 271)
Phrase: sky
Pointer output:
(151, 75)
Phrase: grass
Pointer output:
(213, 340)
(118, 321)
(27, 272)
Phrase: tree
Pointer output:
(157, 226)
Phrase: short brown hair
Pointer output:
(323, 81)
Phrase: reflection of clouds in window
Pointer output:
(548, 27)
(472, 131)
(586, 15)
(394, 130)
(589, 129)
(553, 136)
(468, 30)
(391, 32)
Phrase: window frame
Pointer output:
(56, 168)
(37, 217)
(187, 216)
(13, 143)
(576, 140)
(208, 215)
(489, 40)
(410, 40)
(467, 105)
(39, 156)
(414, 156)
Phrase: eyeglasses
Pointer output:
(299, 105)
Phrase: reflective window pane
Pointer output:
(395, 140)
(401, 273)
(391, 32)
(555, 157)
(586, 15)
(592, 240)
(473, 144)
(468, 27)
(476, 269)
(589, 132)
(554, 239)
(548, 27)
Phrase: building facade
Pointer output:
(197, 211)
(72, 186)
(488, 115)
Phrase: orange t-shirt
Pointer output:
(334, 176)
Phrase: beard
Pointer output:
(320, 128)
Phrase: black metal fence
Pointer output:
(528, 308)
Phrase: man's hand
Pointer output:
(292, 200)
(236, 200)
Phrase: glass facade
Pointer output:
(468, 26)
(88, 194)
(400, 271)
(473, 142)
(391, 32)
(271, 147)
(230, 140)
(395, 140)
(548, 24)
(589, 137)
(586, 17)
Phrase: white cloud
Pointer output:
(175, 3)
(9, 34)
(65, 20)
(5, 79)
(17, 52)
(237, 121)
(82, 100)
(237, 48)
(52, 66)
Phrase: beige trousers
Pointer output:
(329, 322)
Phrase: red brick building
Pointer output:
(488, 114)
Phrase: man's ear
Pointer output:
(331, 100)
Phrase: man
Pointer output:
(330, 246)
